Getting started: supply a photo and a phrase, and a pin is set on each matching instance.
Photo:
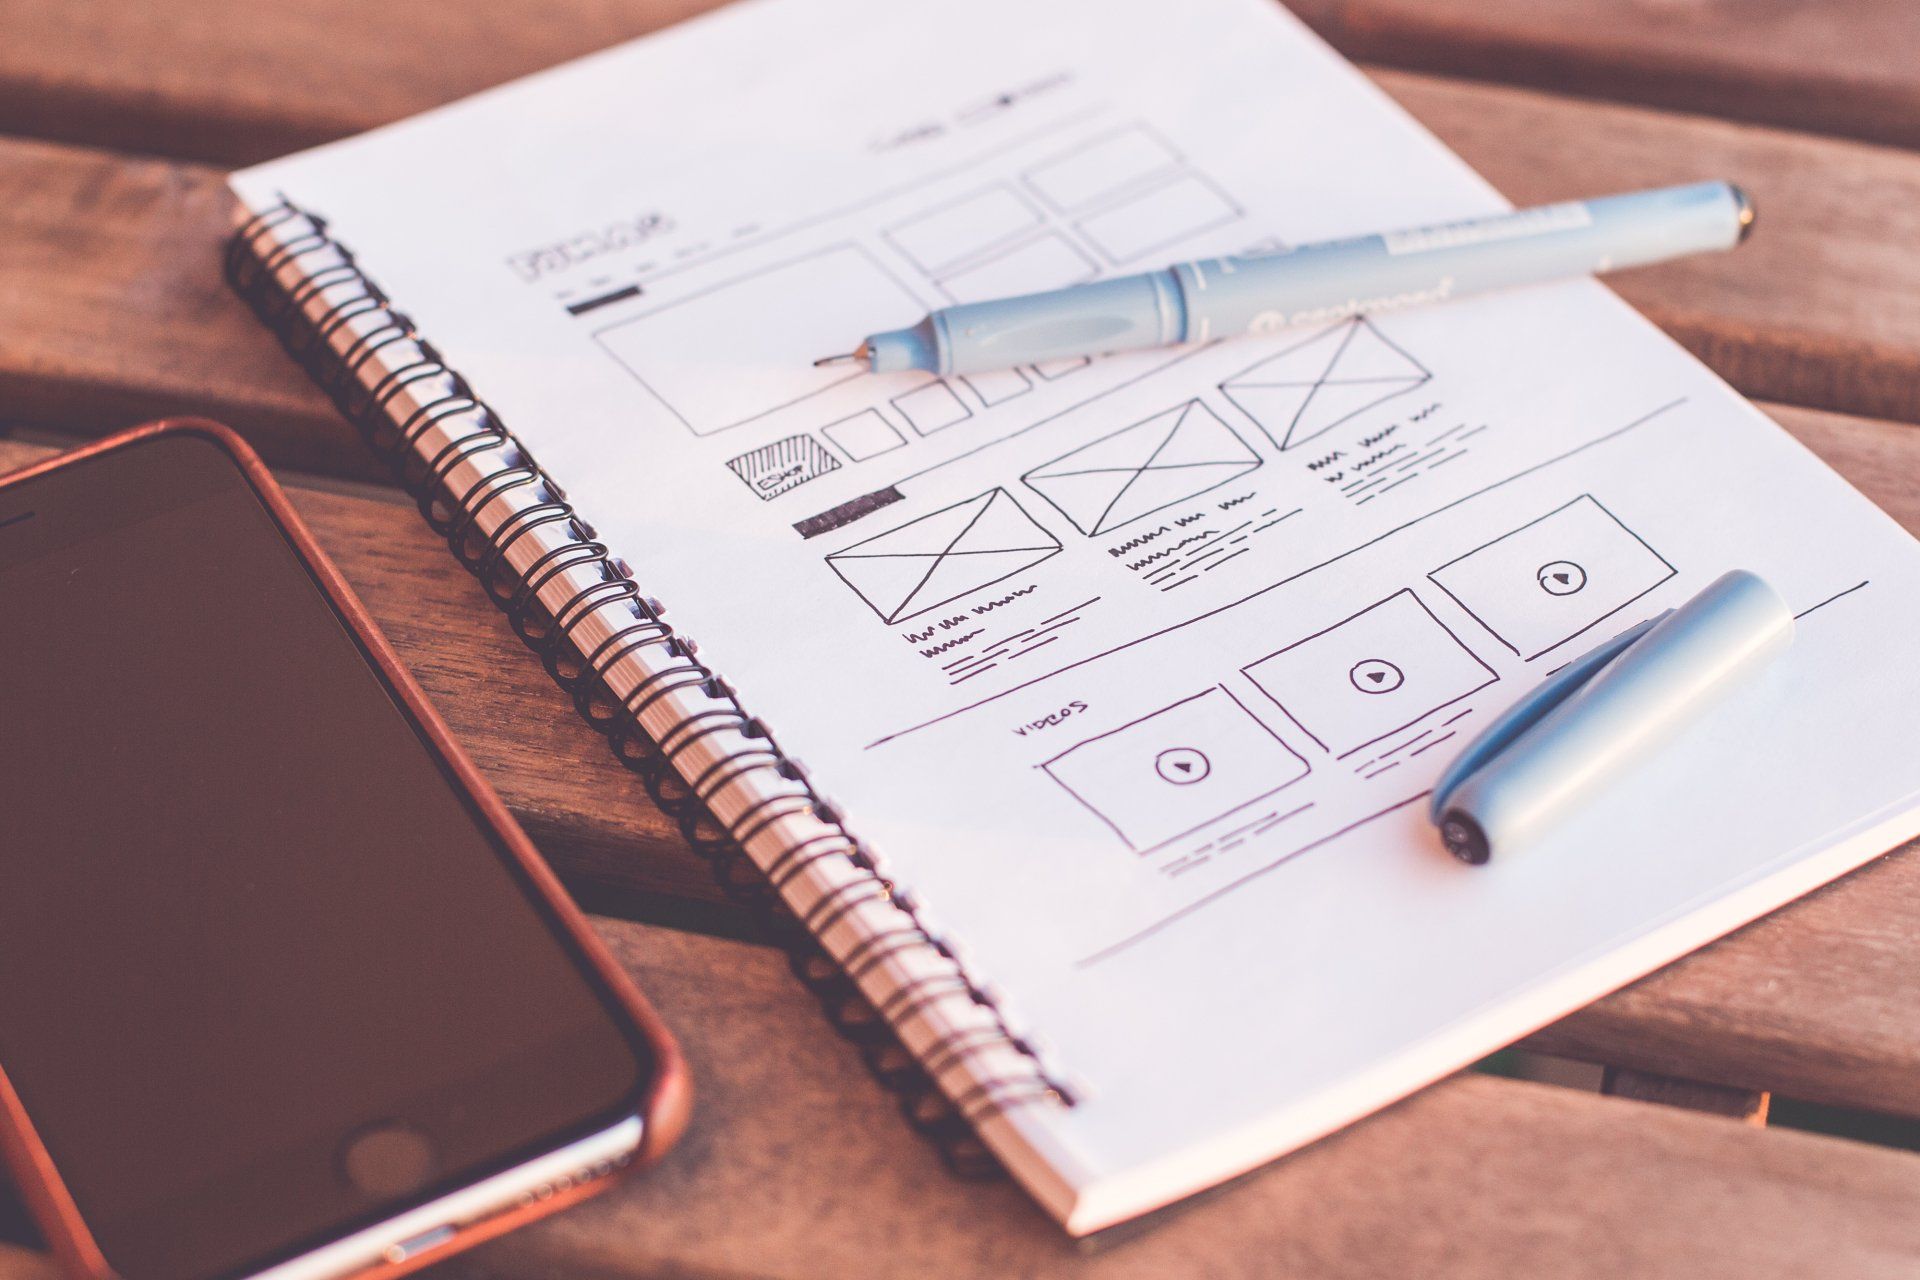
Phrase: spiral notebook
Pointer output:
(1119, 683)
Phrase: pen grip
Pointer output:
(1124, 314)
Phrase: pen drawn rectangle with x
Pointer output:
(1144, 468)
(1320, 382)
(940, 557)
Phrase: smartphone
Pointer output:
(284, 991)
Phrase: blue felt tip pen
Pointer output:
(1317, 283)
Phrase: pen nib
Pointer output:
(849, 357)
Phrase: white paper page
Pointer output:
(1137, 671)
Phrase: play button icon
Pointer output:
(1561, 578)
(1182, 766)
(1375, 675)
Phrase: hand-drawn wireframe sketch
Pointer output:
(1322, 381)
(1175, 770)
(866, 434)
(1048, 261)
(1174, 567)
(1405, 460)
(1102, 167)
(845, 513)
(945, 237)
(731, 353)
(944, 555)
(773, 469)
(996, 650)
(1158, 218)
(1052, 369)
(997, 386)
(933, 407)
(1373, 674)
(1553, 578)
(1144, 468)
(1659, 414)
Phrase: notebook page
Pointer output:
(1137, 670)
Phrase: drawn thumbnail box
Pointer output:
(946, 237)
(931, 408)
(866, 434)
(730, 352)
(1380, 671)
(1555, 578)
(997, 386)
(1158, 219)
(1050, 261)
(1172, 772)
(1102, 167)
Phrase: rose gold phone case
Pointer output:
(664, 1111)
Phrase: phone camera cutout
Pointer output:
(387, 1160)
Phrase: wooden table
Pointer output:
(115, 122)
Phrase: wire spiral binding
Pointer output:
(268, 244)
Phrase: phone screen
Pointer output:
(245, 915)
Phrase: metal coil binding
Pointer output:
(256, 257)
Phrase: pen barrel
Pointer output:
(1224, 297)
(1693, 657)
(1321, 283)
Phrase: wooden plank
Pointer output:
(1746, 1105)
(1844, 67)
(1821, 307)
(112, 301)
(797, 1166)
(115, 311)
(1819, 1001)
(235, 82)
(231, 81)
(1755, 1009)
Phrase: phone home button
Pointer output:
(387, 1160)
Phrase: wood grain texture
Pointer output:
(233, 81)
(1843, 67)
(230, 81)
(1820, 308)
(798, 1167)
(1819, 1001)
(114, 309)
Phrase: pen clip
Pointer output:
(1530, 710)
